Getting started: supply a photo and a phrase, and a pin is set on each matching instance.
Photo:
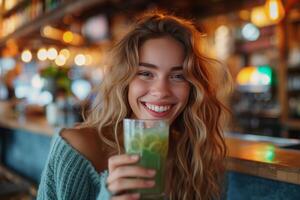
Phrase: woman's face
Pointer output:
(159, 89)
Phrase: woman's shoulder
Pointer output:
(87, 142)
(80, 138)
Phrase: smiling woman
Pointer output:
(159, 90)
(156, 71)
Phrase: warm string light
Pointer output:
(60, 57)
(52, 53)
(65, 53)
(80, 60)
(26, 56)
(42, 54)
(60, 60)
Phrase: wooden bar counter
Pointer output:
(32, 123)
(263, 159)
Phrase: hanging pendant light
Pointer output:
(274, 10)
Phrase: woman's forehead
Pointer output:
(163, 50)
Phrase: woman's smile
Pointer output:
(157, 109)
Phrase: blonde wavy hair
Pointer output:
(198, 159)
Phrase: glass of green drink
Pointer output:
(149, 139)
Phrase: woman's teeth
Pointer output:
(158, 108)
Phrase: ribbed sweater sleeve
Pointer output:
(69, 175)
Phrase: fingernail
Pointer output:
(150, 183)
(151, 172)
(134, 157)
(135, 196)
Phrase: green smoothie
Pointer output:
(152, 146)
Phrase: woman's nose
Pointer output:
(160, 88)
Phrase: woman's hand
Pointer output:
(124, 176)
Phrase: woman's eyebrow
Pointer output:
(147, 65)
(175, 68)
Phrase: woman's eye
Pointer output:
(144, 74)
(178, 77)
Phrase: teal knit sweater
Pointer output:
(69, 175)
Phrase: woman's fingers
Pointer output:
(130, 171)
(124, 184)
(124, 175)
(118, 160)
(133, 196)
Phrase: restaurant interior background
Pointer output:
(52, 55)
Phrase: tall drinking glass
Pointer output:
(149, 139)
